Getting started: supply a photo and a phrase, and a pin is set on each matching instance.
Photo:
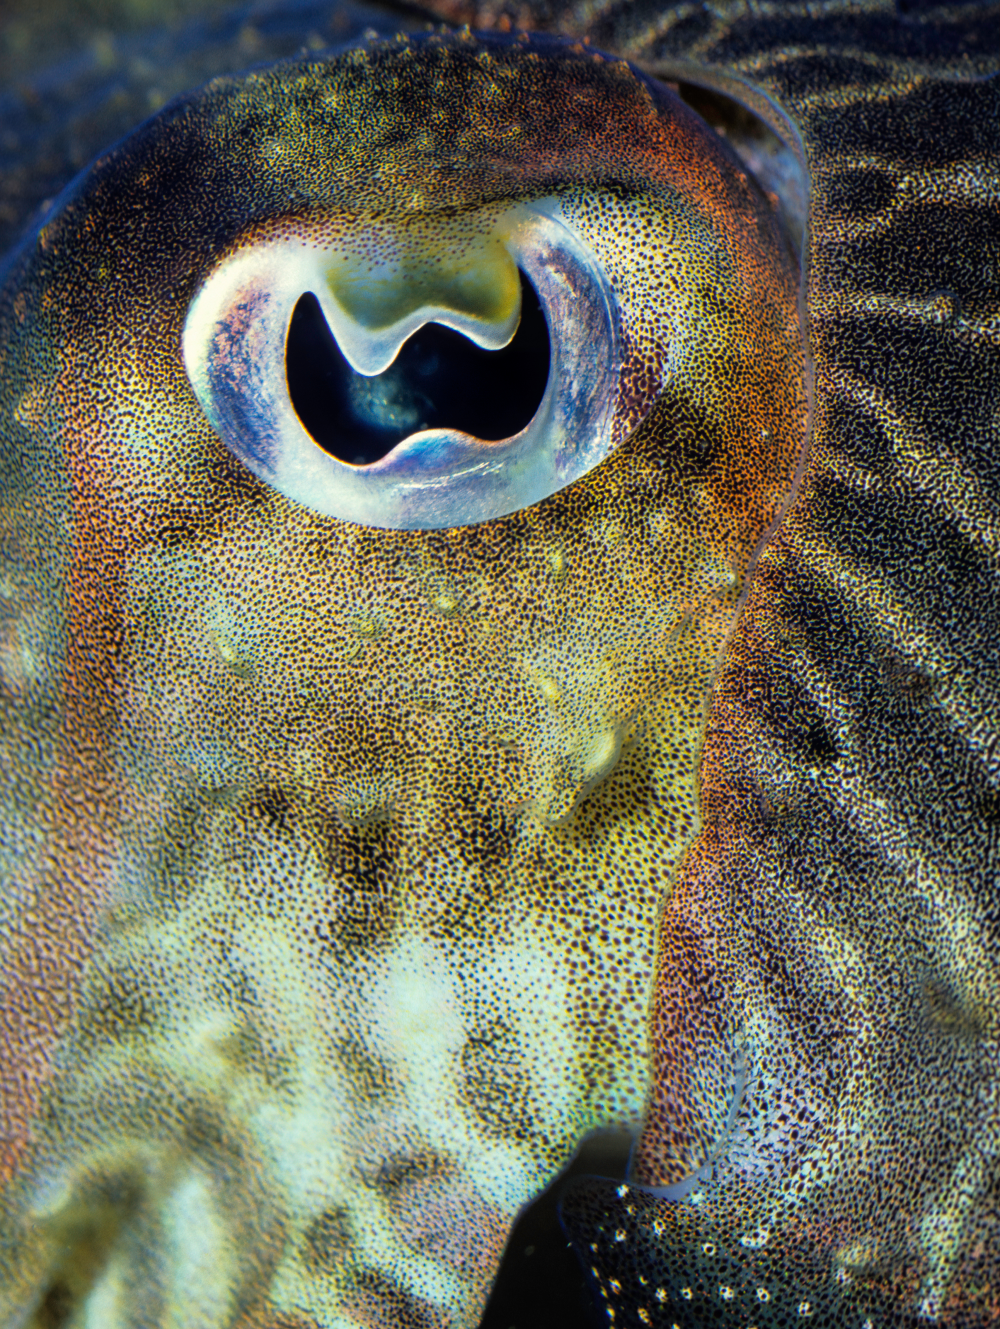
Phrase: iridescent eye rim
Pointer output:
(234, 352)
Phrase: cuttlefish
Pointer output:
(499, 644)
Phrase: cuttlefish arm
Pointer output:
(349, 787)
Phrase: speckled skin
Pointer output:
(823, 1029)
(830, 949)
(354, 840)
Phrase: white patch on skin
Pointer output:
(201, 1257)
(417, 1024)
(105, 1306)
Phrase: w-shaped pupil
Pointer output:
(439, 380)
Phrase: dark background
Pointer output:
(541, 1282)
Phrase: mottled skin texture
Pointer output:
(843, 892)
(824, 1020)
(355, 840)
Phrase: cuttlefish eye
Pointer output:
(388, 437)
(479, 318)
(425, 369)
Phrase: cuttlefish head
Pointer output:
(391, 435)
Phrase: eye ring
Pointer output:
(234, 346)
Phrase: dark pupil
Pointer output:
(439, 380)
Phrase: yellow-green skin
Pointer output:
(333, 931)
(824, 1026)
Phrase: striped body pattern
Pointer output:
(360, 861)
